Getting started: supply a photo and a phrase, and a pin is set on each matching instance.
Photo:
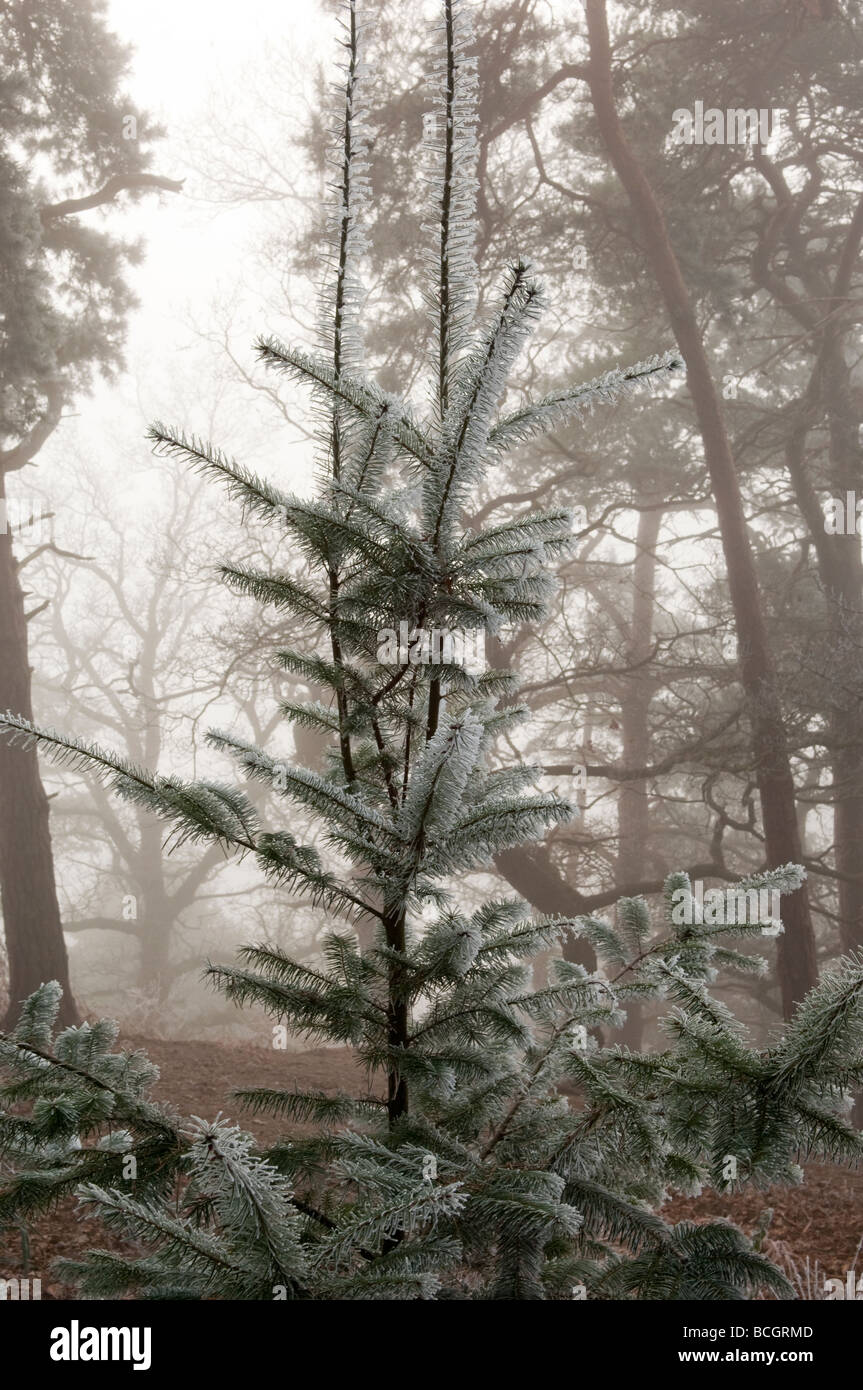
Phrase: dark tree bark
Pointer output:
(532, 874)
(530, 870)
(158, 920)
(108, 194)
(65, 301)
(31, 912)
(633, 805)
(830, 397)
(772, 768)
(633, 826)
(841, 571)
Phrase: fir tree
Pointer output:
(462, 1171)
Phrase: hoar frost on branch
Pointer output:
(461, 1170)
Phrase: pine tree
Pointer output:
(462, 1171)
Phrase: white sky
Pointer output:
(187, 54)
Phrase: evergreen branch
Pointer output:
(560, 407)
(282, 591)
(372, 1228)
(255, 493)
(148, 1117)
(361, 396)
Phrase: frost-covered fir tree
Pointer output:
(462, 1170)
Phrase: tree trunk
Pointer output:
(772, 767)
(157, 918)
(31, 913)
(632, 805)
(844, 584)
(840, 568)
(530, 871)
(633, 808)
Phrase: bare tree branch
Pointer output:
(118, 183)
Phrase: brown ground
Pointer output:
(822, 1220)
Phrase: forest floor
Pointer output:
(820, 1222)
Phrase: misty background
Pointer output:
(134, 642)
